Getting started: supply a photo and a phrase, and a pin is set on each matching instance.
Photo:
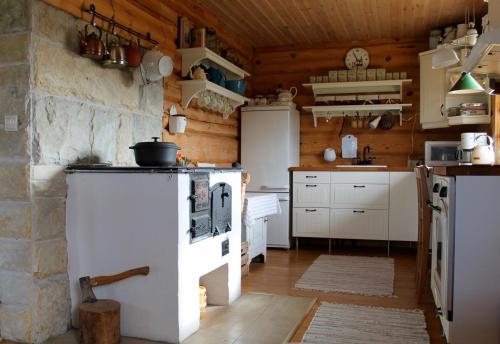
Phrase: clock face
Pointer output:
(357, 58)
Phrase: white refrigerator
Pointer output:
(270, 144)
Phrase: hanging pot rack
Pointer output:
(114, 24)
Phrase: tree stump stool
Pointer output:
(100, 322)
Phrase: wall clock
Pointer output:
(357, 58)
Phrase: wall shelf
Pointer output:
(358, 87)
(330, 111)
(191, 89)
(329, 91)
(194, 56)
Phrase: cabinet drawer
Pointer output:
(359, 224)
(360, 195)
(360, 177)
(311, 195)
(311, 177)
(311, 222)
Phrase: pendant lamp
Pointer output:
(466, 84)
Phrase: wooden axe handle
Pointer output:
(102, 280)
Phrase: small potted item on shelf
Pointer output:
(198, 73)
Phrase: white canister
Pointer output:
(329, 155)
(177, 124)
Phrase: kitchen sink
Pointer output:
(361, 166)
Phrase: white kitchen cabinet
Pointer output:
(362, 205)
(360, 177)
(432, 93)
(359, 224)
(403, 208)
(311, 222)
(311, 177)
(311, 195)
(256, 235)
(361, 195)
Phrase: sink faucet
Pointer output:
(366, 149)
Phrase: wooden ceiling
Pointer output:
(271, 23)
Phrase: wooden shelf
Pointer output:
(461, 120)
(357, 87)
(330, 111)
(194, 56)
(191, 88)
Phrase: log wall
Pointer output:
(292, 66)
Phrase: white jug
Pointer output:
(329, 155)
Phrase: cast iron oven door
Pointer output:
(221, 196)
(200, 207)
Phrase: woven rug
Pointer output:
(337, 323)
(373, 276)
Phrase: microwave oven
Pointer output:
(441, 153)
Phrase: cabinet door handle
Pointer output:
(311, 185)
(358, 211)
(360, 186)
(311, 176)
(441, 110)
(311, 210)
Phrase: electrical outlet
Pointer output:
(10, 123)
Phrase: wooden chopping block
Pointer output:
(100, 322)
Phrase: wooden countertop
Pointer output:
(351, 169)
(475, 170)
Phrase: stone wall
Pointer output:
(71, 110)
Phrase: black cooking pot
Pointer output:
(155, 153)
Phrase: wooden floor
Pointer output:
(283, 268)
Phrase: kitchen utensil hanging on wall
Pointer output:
(349, 146)
(91, 45)
(386, 122)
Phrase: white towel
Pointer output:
(260, 205)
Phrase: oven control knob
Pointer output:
(435, 188)
(193, 197)
(443, 192)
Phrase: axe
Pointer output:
(87, 282)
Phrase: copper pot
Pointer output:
(91, 46)
(133, 54)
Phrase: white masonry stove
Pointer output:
(183, 223)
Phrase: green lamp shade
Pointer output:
(466, 84)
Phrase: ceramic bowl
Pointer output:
(237, 86)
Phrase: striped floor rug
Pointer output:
(350, 324)
(373, 276)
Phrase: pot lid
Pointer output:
(155, 144)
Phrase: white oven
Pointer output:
(442, 205)
(441, 153)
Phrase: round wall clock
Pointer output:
(357, 58)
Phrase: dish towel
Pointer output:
(260, 205)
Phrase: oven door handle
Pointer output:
(433, 207)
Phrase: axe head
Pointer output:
(88, 295)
